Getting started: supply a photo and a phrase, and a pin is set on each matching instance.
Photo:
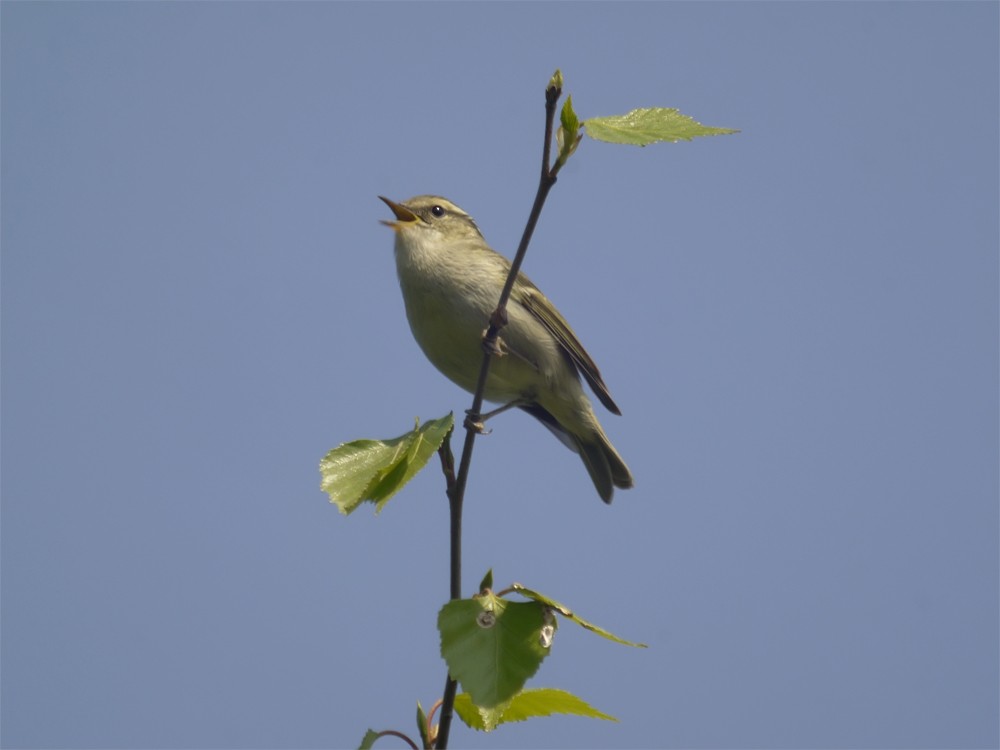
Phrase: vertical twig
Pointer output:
(456, 490)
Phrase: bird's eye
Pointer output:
(437, 210)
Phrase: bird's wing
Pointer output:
(545, 312)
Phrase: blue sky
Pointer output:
(799, 323)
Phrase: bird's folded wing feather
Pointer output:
(537, 304)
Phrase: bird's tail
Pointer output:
(607, 469)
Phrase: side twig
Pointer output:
(456, 491)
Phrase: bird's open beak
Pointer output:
(404, 215)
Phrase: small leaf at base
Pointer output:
(523, 706)
(425, 741)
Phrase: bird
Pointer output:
(451, 281)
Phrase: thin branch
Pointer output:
(394, 733)
(456, 491)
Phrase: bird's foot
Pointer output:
(476, 422)
(495, 346)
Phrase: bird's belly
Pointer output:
(452, 339)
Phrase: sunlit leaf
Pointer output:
(568, 136)
(375, 470)
(640, 127)
(527, 704)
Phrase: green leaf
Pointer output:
(568, 136)
(375, 470)
(487, 582)
(556, 81)
(368, 742)
(640, 127)
(492, 646)
(567, 118)
(425, 741)
(569, 614)
(523, 706)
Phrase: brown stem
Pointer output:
(394, 733)
(456, 491)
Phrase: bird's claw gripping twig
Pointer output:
(475, 422)
(494, 346)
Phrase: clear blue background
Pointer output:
(799, 323)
